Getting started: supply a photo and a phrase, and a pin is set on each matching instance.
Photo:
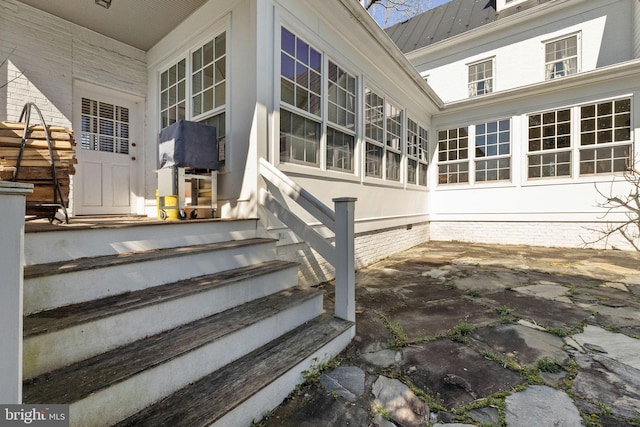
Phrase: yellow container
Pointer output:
(168, 210)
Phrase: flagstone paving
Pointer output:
(459, 334)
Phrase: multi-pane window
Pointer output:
(341, 114)
(550, 144)
(561, 57)
(393, 146)
(374, 132)
(195, 89)
(605, 137)
(300, 74)
(481, 78)
(299, 138)
(208, 76)
(417, 153)
(105, 127)
(173, 94)
(300, 96)
(492, 151)
(453, 156)
(383, 132)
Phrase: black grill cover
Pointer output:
(189, 145)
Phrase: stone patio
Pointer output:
(469, 334)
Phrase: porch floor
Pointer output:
(104, 221)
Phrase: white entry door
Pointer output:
(107, 134)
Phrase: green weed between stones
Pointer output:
(496, 400)
(399, 339)
(548, 364)
(461, 331)
(473, 293)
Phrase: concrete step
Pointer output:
(111, 386)
(62, 336)
(46, 244)
(244, 390)
(61, 283)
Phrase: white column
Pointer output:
(345, 282)
(12, 210)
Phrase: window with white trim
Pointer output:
(549, 144)
(561, 57)
(374, 133)
(481, 78)
(202, 75)
(383, 134)
(605, 137)
(488, 161)
(341, 112)
(393, 141)
(417, 153)
(453, 156)
(300, 100)
(493, 151)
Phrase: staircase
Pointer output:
(183, 323)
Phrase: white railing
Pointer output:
(339, 221)
(12, 208)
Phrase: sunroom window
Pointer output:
(194, 88)
(605, 137)
(492, 152)
(341, 106)
(383, 132)
(453, 156)
(417, 154)
(300, 96)
(550, 144)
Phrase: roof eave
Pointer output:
(490, 27)
(378, 34)
(616, 71)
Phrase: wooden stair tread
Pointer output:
(211, 397)
(90, 263)
(76, 314)
(79, 380)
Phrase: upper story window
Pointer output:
(481, 78)
(194, 88)
(561, 57)
(503, 4)
(605, 137)
(417, 153)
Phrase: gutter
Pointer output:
(490, 27)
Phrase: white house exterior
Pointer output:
(559, 81)
(488, 122)
(72, 71)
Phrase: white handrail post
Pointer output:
(12, 210)
(345, 282)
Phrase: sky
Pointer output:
(379, 12)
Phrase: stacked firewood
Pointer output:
(35, 166)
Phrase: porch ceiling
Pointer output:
(138, 23)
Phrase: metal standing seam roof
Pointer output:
(448, 20)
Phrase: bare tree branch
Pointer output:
(628, 204)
